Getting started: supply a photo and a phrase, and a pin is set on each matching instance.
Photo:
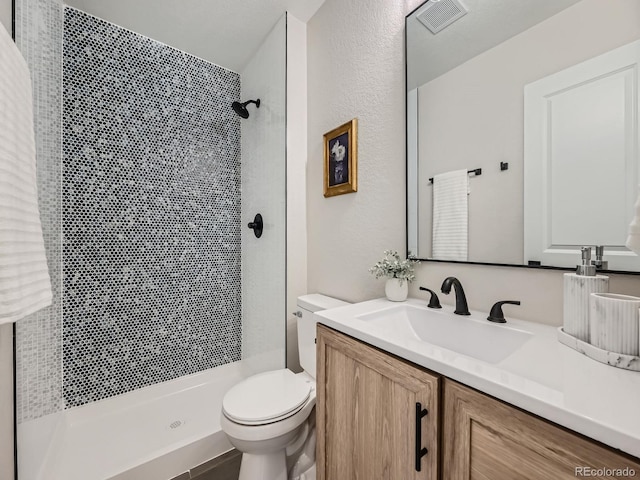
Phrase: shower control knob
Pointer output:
(257, 225)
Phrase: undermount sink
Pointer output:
(466, 335)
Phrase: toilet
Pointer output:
(270, 416)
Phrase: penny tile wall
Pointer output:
(151, 212)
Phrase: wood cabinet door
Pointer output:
(486, 439)
(367, 410)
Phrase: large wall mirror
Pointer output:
(522, 130)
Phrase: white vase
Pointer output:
(396, 291)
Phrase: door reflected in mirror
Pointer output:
(542, 96)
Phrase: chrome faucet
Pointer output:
(461, 300)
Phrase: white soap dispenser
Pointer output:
(577, 289)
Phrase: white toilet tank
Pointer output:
(307, 327)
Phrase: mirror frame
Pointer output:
(407, 170)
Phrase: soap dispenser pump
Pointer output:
(586, 268)
(599, 263)
(578, 287)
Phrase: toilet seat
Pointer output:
(266, 398)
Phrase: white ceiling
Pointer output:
(225, 32)
(488, 23)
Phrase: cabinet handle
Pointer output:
(420, 451)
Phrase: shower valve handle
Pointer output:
(257, 225)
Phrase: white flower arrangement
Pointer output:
(391, 266)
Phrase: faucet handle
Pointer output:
(496, 315)
(434, 301)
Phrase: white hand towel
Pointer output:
(451, 216)
(24, 277)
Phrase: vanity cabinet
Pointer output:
(371, 420)
(368, 424)
(484, 438)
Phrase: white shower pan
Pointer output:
(153, 433)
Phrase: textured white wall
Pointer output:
(263, 187)
(296, 175)
(356, 69)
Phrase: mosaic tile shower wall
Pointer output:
(151, 212)
(39, 28)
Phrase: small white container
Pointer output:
(614, 323)
(396, 290)
(577, 289)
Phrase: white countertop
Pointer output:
(543, 376)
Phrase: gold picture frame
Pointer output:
(341, 159)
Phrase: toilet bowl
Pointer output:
(263, 437)
(269, 417)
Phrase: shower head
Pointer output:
(241, 108)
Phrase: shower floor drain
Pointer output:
(176, 424)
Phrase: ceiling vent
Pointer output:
(438, 14)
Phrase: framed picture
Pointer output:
(341, 159)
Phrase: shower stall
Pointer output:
(163, 297)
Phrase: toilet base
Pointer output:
(267, 466)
